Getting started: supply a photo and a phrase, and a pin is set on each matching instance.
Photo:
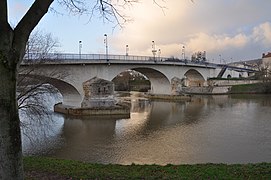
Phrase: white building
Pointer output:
(266, 63)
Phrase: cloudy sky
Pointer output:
(234, 29)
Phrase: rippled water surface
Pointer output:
(216, 129)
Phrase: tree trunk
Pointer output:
(12, 46)
(10, 137)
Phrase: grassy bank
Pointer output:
(260, 88)
(247, 88)
(38, 167)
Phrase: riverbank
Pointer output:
(259, 88)
(49, 168)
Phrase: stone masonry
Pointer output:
(98, 93)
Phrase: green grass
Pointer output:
(247, 88)
(80, 170)
(227, 79)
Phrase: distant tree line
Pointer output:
(131, 81)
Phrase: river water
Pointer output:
(207, 129)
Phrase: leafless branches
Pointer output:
(40, 44)
(114, 11)
(74, 6)
(111, 11)
(159, 5)
(35, 98)
(32, 90)
(263, 74)
(263, 70)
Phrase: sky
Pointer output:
(231, 30)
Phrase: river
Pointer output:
(207, 129)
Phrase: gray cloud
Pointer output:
(229, 27)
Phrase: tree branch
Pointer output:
(5, 29)
(3, 12)
(32, 17)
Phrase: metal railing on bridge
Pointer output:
(83, 58)
(67, 56)
(71, 58)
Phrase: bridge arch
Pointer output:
(160, 84)
(70, 94)
(194, 78)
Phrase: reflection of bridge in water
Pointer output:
(67, 72)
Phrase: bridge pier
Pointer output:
(72, 99)
(160, 86)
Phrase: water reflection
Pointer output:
(88, 139)
(41, 132)
(42, 136)
(217, 129)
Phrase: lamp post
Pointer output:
(153, 50)
(127, 49)
(106, 46)
(220, 58)
(80, 48)
(159, 54)
(183, 52)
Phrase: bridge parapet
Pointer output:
(84, 59)
(68, 56)
(64, 58)
(56, 58)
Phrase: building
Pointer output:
(266, 63)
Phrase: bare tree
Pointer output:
(12, 46)
(264, 74)
(34, 93)
(30, 90)
(40, 44)
(13, 43)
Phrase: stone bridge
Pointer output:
(67, 72)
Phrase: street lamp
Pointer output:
(159, 54)
(106, 46)
(127, 49)
(183, 52)
(80, 48)
(220, 58)
(153, 50)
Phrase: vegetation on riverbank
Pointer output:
(39, 167)
(246, 88)
(260, 88)
(171, 98)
